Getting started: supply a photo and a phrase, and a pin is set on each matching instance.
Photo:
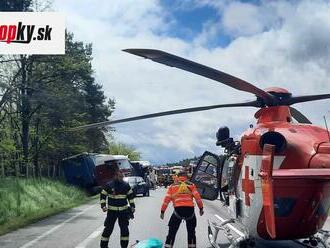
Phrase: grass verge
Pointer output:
(24, 201)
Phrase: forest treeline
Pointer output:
(184, 162)
(41, 98)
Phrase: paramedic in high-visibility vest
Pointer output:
(181, 194)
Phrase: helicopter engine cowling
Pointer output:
(322, 157)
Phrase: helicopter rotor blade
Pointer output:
(202, 70)
(165, 113)
(298, 116)
(298, 99)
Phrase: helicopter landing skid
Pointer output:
(228, 230)
(320, 239)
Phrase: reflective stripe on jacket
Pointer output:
(181, 194)
(119, 195)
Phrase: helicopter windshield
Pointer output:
(206, 174)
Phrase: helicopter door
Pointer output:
(206, 174)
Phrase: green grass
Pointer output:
(24, 201)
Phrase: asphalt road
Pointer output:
(82, 226)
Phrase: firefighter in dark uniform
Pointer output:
(119, 195)
(181, 193)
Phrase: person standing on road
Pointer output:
(119, 195)
(182, 193)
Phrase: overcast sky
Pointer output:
(268, 43)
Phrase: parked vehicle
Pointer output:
(138, 168)
(145, 170)
(163, 175)
(138, 185)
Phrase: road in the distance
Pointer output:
(81, 227)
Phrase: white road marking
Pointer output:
(231, 226)
(92, 236)
(32, 242)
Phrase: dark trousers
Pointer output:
(109, 224)
(182, 213)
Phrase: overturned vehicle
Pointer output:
(90, 171)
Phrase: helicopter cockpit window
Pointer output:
(206, 176)
(207, 172)
(203, 166)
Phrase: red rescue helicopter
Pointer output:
(275, 181)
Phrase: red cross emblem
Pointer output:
(247, 186)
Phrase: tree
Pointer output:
(20, 5)
(183, 162)
(42, 97)
(123, 149)
(96, 111)
(15, 5)
(68, 96)
(47, 95)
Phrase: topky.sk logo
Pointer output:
(32, 33)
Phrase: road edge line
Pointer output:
(92, 236)
(32, 242)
